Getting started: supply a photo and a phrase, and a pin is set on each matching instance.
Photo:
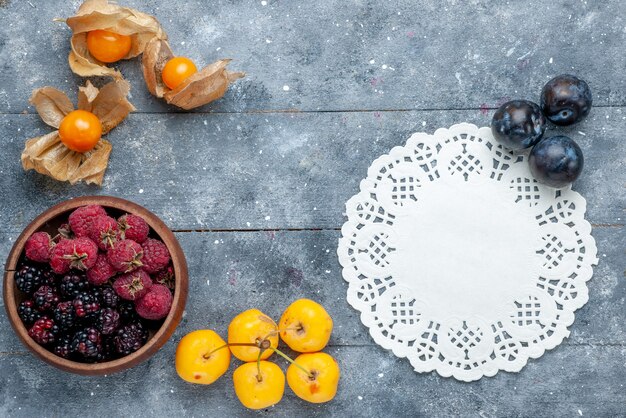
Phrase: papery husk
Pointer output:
(51, 104)
(203, 87)
(49, 156)
(100, 14)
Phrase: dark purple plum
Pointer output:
(518, 124)
(556, 161)
(566, 99)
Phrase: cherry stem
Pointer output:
(259, 378)
(59, 19)
(206, 356)
(292, 361)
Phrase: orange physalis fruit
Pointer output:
(177, 70)
(80, 130)
(107, 46)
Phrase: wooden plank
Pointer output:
(277, 171)
(230, 272)
(570, 382)
(346, 55)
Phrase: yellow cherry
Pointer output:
(252, 326)
(305, 326)
(259, 390)
(320, 383)
(199, 358)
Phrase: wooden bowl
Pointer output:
(49, 221)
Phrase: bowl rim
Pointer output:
(161, 336)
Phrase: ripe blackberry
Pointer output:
(45, 298)
(72, 284)
(86, 304)
(127, 311)
(108, 321)
(108, 349)
(87, 343)
(29, 278)
(63, 346)
(65, 315)
(28, 313)
(108, 297)
(130, 338)
(44, 330)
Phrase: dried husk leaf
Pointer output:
(51, 104)
(109, 104)
(155, 56)
(47, 155)
(203, 87)
(100, 14)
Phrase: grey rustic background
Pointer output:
(249, 184)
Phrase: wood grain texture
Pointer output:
(263, 175)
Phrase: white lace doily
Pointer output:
(459, 260)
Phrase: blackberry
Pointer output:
(65, 315)
(109, 298)
(108, 349)
(86, 304)
(72, 284)
(127, 311)
(87, 343)
(130, 338)
(108, 321)
(28, 313)
(63, 346)
(45, 298)
(44, 330)
(29, 278)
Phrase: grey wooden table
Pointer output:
(249, 183)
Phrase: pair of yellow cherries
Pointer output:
(81, 130)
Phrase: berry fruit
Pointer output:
(518, 124)
(104, 232)
(133, 285)
(320, 383)
(155, 304)
(38, 247)
(65, 315)
(80, 253)
(125, 256)
(259, 387)
(101, 271)
(86, 305)
(28, 313)
(252, 326)
(63, 346)
(80, 130)
(166, 277)
(305, 326)
(127, 311)
(72, 284)
(29, 278)
(45, 298)
(107, 46)
(133, 227)
(156, 256)
(108, 321)
(130, 338)
(109, 298)
(81, 219)
(87, 343)
(201, 357)
(177, 70)
(566, 99)
(556, 161)
(44, 330)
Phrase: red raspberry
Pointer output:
(133, 227)
(155, 304)
(38, 247)
(132, 286)
(104, 232)
(165, 277)
(155, 255)
(43, 330)
(80, 253)
(126, 256)
(101, 272)
(64, 232)
(81, 219)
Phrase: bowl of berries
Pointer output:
(95, 285)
